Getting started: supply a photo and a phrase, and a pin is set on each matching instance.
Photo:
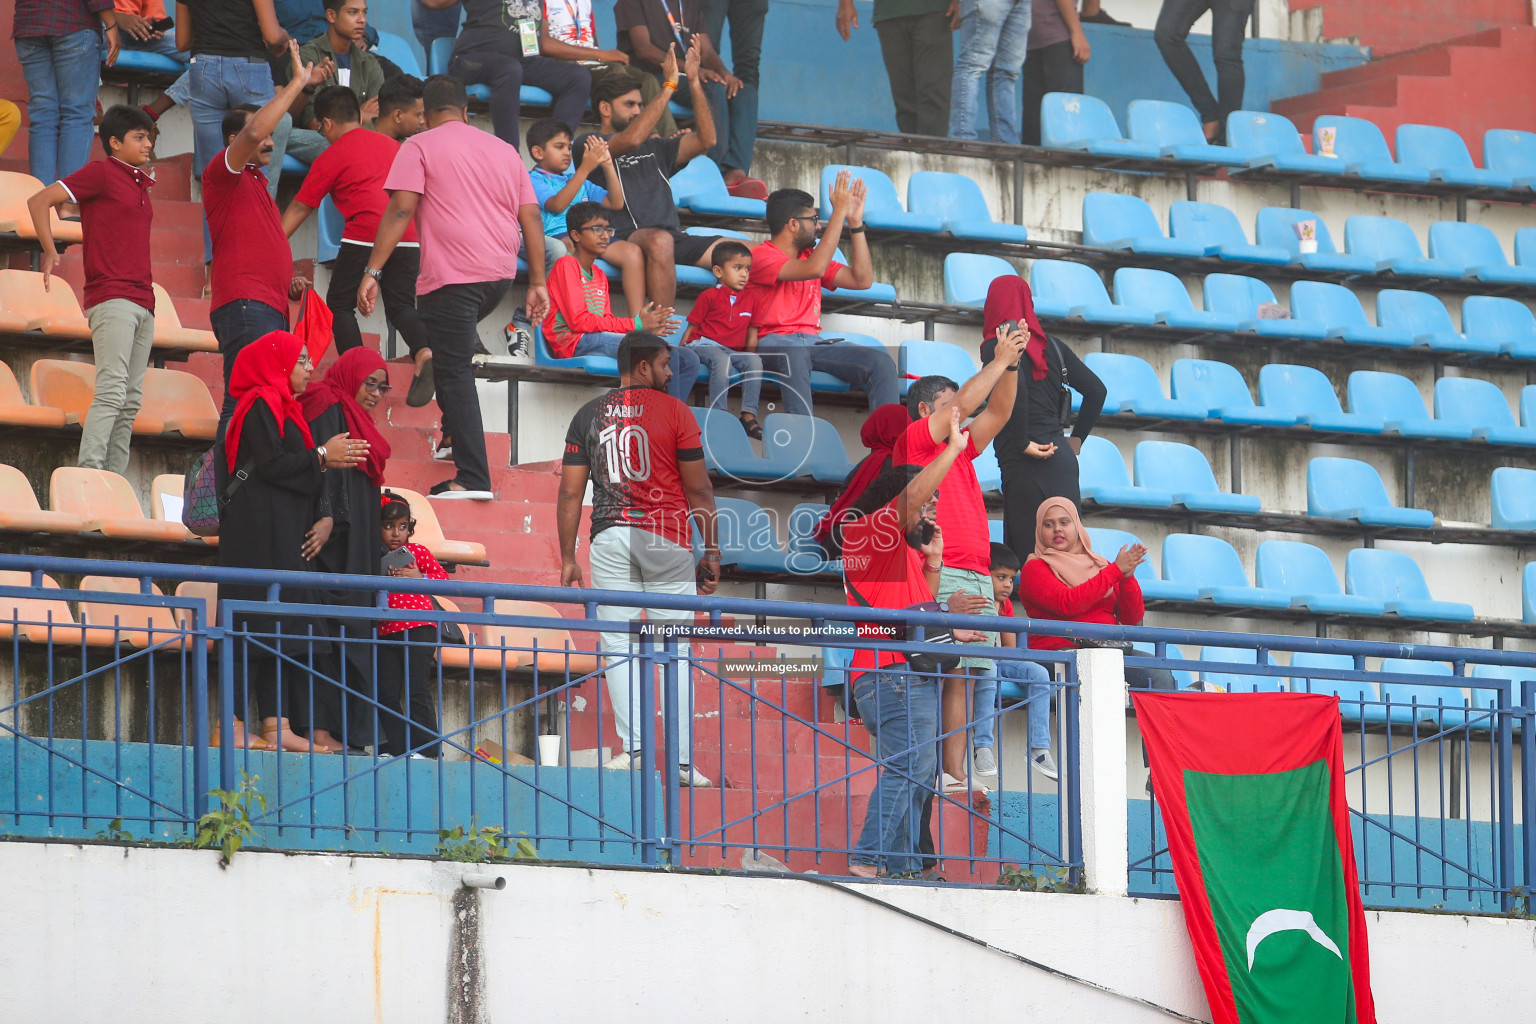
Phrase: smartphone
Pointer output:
(1008, 325)
(163, 25)
(398, 558)
(829, 341)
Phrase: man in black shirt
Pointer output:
(646, 165)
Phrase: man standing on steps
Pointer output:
(641, 449)
(473, 202)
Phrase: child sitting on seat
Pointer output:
(720, 330)
(405, 660)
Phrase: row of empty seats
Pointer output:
(27, 309)
(174, 402)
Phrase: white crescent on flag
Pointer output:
(1281, 920)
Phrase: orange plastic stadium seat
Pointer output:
(209, 592)
(107, 504)
(14, 410)
(170, 334)
(138, 625)
(557, 652)
(19, 510)
(179, 401)
(15, 219)
(429, 533)
(70, 385)
(54, 312)
(484, 651)
(36, 620)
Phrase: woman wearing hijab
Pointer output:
(269, 446)
(345, 537)
(880, 433)
(1035, 459)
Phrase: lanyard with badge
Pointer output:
(579, 28)
(522, 15)
(679, 31)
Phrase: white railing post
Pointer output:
(1101, 677)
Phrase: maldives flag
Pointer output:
(1251, 787)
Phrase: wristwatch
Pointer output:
(377, 273)
(856, 231)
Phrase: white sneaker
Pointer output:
(449, 494)
(1044, 763)
(984, 761)
(949, 784)
(619, 762)
(688, 775)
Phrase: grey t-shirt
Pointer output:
(1046, 26)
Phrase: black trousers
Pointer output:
(1028, 482)
(506, 73)
(1049, 69)
(1229, 23)
(405, 685)
(919, 61)
(397, 291)
(452, 316)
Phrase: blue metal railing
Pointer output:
(101, 730)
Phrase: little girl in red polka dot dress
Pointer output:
(406, 679)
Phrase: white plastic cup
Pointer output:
(1308, 245)
(549, 751)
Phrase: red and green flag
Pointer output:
(1251, 787)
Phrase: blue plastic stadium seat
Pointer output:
(805, 555)
(1307, 392)
(1216, 228)
(1235, 295)
(1133, 387)
(1273, 227)
(145, 62)
(1069, 120)
(1476, 248)
(329, 224)
(1396, 400)
(1528, 593)
(746, 535)
(1066, 290)
(1338, 309)
(1271, 140)
(398, 51)
(1363, 150)
(1480, 405)
(1445, 706)
(960, 207)
(1220, 389)
(1515, 673)
(1393, 245)
(293, 165)
(605, 366)
(1506, 321)
(1512, 498)
(1175, 130)
(1357, 698)
(1238, 682)
(1183, 471)
(968, 275)
(1215, 570)
(807, 442)
(728, 450)
(1525, 246)
(1442, 153)
(1107, 544)
(1395, 579)
(882, 204)
(1103, 479)
(1166, 296)
(700, 188)
(1528, 406)
(836, 661)
(1426, 318)
(1513, 153)
(1115, 221)
(929, 358)
(1304, 572)
(1351, 489)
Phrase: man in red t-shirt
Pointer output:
(351, 170)
(931, 401)
(788, 273)
(251, 279)
(641, 450)
(891, 559)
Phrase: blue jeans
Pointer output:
(1037, 683)
(993, 38)
(737, 132)
(721, 361)
(236, 324)
(62, 73)
(217, 85)
(685, 364)
(870, 370)
(165, 46)
(901, 710)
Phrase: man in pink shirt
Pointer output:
(473, 203)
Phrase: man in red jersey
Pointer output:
(641, 449)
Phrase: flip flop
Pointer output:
(422, 387)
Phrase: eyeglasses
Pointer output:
(598, 229)
(375, 388)
(812, 217)
(306, 362)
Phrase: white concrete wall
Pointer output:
(166, 935)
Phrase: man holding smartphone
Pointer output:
(641, 449)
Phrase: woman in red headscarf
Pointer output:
(279, 472)
(1036, 460)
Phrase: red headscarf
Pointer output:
(880, 433)
(340, 385)
(1009, 299)
(261, 374)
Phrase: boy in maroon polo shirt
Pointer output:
(252, 276)
(116, 216)
(720, 330)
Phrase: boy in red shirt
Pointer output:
(116, 216)
(720, 331)
(580, 321)
(351, 170)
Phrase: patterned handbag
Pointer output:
(201, 501)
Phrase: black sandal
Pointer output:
(751, 425)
